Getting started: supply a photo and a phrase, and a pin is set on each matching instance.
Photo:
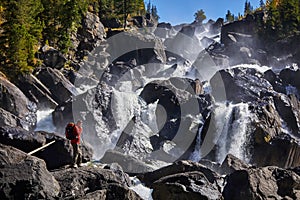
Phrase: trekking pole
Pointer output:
(42, 147)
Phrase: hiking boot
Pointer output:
(80, 165)
(75, 166)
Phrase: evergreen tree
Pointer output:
(261, 4)
(200, 16)
(21, 34)
(229, 17)
(149, 7)
(154, 13)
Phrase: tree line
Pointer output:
(25, 25)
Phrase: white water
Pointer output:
(233, 129)
(140, 189)
(44, 121)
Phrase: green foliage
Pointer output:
(22, 30)
(229, 16)
(200, 16)
(282, 18)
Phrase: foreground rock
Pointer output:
(13, 100)
(93, 183)
(56, 155)
(25, 177)
(262, 183)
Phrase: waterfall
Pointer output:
(233, 137)
(44, 121)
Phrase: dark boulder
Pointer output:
(111, 23)
(60, 153)
(36, 91)
(229, 84)
(52, 57)
(13, 100)
(262, 183)
(189, 185)
(21, 139)
(8, 119)
(232, 164)
(129, 163)
(24, 176)
(77, 183)
(176, 168)
(60, 87)
(290, 77)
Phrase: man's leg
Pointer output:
(75, 153)
(79, 156)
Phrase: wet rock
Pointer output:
(262, 183)
(8, 119)
(239, 85)
(13, 100)
(24, 176)
(92, 181)
(59, 86)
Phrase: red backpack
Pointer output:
(70, 133)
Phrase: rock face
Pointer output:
(89, 35)
(93, 182)
(13, 100)
(52, 57)
(25, 177)
(60, 87)
(262, 183)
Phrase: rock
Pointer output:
(229, 84)
(60, 87)
(52, 57)
(176, 168)
(76, 183)
(21, 139)
(25, 177)
(144, 48)
(129, 164)
(13, 100)
(111, 23)
(232, 164)
(262, 183)
(8, 119)
(60, 153)
(282, 151)
(288, 108)
(290, 77)
(36, 91)
(188, 185)
(89, 35)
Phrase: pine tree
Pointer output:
(261, 4)
(229, 17)
(21, 34)
(200, 16)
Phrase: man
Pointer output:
(198, 87)
(77, 155)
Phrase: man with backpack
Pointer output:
(73, 133)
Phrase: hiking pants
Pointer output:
(77, 155)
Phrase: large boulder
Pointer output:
(24, 176)
(60, 87)
(89, 35)
(60, 153)
(13, 100)
(94, 182)
(178, 167)
(262, 183)
(36, 91)
(21, 139)
(129, 163)
(232, 164)
(189, 185)
(8, 119)
(230, 84)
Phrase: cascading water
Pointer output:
(44, 121)
(233, 137)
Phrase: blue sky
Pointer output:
(182, 11)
